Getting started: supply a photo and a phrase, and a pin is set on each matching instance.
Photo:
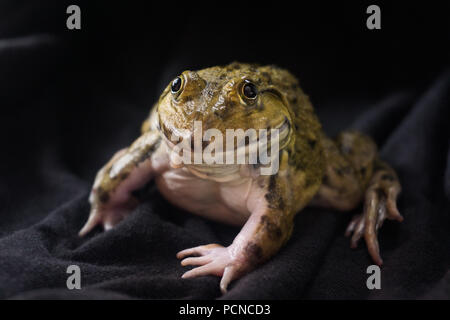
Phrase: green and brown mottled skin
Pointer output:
(314, 169)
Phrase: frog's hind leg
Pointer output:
(380, 203)
(354, 174)
(381, 186)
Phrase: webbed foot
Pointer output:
(380, 204)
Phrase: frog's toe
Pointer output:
(200, 250)
(195, 261)
(209, 268)
(355, 227)
(391, 203)
(106, 217)
(358, 228)
(229, 274)
(93, 220)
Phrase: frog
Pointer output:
(342, 173)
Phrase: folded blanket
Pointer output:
(60, 125)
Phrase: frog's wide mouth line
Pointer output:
(265, 139)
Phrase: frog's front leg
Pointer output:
(266, 230)
(128, 170)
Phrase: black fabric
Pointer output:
(70, 99)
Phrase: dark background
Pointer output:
(70, 99)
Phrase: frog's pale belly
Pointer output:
(224, 202)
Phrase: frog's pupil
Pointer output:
(250, 90)
(176, 85)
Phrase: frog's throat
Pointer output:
(219, 173)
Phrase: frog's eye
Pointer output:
(249, 91)
(177, 85)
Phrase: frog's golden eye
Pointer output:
(249, 92)
(177, 85)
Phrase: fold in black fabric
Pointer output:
(60, 125)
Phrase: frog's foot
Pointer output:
(107, 216)
(212, 259)
(380, 204)
(129, 170)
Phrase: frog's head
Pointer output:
(236, 96)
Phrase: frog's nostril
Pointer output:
(193, 80)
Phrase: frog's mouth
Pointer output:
(185, 140)
(172, 134)
(284, 132)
